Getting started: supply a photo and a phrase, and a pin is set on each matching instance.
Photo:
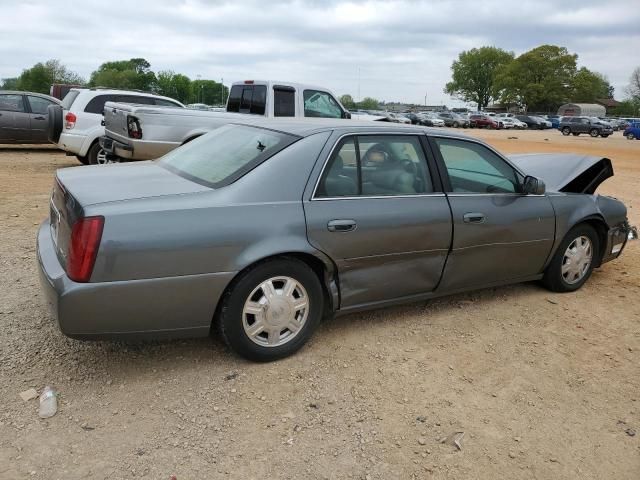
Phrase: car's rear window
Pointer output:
(225, 154)
(68, 99)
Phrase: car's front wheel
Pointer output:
(566, 131)
(631, 136)
(271, 310)
(572, 264)
(594, 132)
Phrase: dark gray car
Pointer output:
(261, 229)
(23, 116)
(591, 125)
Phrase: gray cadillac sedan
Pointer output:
(261, 229)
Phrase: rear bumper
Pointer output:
(136, 149)
(170, 307)
(617, 239)
(72, 143)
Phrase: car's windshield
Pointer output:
(225, 154)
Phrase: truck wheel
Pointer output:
(594, 132)
(566, 131)
(572, 264)
(631, 136)
(271, 310)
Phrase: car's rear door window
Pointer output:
(39, 105)
(248, 99)
(284, 102)
(96, 104)
(473, 168)
(225, 154)
(376, 165)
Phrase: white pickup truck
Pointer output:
(144, 132)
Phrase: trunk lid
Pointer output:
(569, 173)
(90, 185)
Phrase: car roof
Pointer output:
(35, 94)
(305, 127)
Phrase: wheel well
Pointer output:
(311, 261)
(601, 229)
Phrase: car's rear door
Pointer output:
(378, 210)
(38, 118)
(14, 119)
(500, 234)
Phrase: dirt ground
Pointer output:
(545, 386)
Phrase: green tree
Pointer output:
(9, 83)
(131, 74)
(368, 103)
(628, 108)
(474, 74)
(347, 102)
(589, 86)
(41, 76)
(174, 85)
(540, 79)
(209, 92)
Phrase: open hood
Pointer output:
(569, 173)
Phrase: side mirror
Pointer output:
(533, 186)
(346, 115)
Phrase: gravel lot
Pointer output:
(545, 386)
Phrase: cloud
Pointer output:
(391, 50)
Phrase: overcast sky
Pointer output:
(390, 50)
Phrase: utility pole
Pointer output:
(222, 91)
(425, 99)
(359, 99)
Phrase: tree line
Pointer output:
(539, 80)
(132, 74)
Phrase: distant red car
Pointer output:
(484, 121)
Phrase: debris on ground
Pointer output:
(29, 394)
(454, 439)
(48, 403)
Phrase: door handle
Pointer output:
(341, 225)
(474, 218)
(38, 118)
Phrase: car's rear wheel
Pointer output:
(566, 131)
(455, 125)
(594, 132)
(271, 310)
(96, 155)
(572, 264)
(631, 136)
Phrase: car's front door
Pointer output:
(38, 119)
(382, 217)
(499, 234)
(14, 119)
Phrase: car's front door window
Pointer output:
(473, 168)
(321, 104)
(39, 105)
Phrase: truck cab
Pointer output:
(283, 99)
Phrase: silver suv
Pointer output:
(77, 125)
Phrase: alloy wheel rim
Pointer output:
(577, 260)
(275, 312)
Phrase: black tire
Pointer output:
(594, 132)
(229, 320)
(92, 154)
(566, 131)
(455, 125)
(83, 160)
(54, 123)
(553, 278)
(630, 136)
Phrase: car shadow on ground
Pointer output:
(139, 358)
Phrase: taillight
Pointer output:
(69, 121)
(85, 241)
(133, 127)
